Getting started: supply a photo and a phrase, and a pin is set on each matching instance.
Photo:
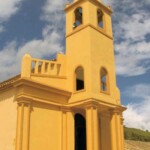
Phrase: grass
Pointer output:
(136, 134)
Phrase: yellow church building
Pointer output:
(72, 102)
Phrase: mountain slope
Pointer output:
(136, 134)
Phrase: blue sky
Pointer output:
(37, 27)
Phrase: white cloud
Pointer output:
(8, 65)
(137, 113)
(53, 12)
(54, 15)
(131, 26)
(45, 47)
(132, 58)
(11, 60)
(8, 8)
(53, 6)
(48, 45)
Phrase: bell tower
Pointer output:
(91, 76)
(90, 50)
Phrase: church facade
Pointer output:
(72, 102)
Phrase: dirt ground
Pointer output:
(136, 145)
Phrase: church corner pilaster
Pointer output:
(116, 125)
(23, 125)
(92, 126)
(67, 128)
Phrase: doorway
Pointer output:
(80, 132)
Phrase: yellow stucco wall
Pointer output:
(54, 82)
(8, 116)
(45, 128)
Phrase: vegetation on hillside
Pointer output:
(136, 134)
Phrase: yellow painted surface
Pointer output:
(45, 128)
(46, 94)
(8, 119)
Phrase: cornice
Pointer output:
(7, 84)
(84, 104)
(81, 27)
(95, 2)
(118, 109)
(101, 5)
(29, 90)
(97, 101)
(31, 99)
(40, 86)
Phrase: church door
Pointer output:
(80, 132)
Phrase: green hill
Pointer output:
(136, 134)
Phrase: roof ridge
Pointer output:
(9, 81)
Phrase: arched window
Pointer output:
(80, 132)
(100, 18)
(79, 78)
(78, 17)
(103, 80)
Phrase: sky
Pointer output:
(37, 27)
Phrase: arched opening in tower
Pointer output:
(80, 132)
(104, 79)
(78, 17)
(79, 73)
(100, 18)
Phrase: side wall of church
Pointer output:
(45, 128)
(8, 119)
